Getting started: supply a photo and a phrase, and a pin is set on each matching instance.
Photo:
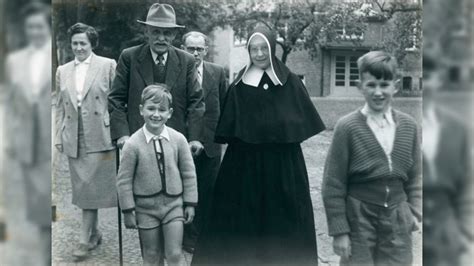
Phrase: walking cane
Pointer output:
(119, 213)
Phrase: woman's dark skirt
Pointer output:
(262, 211)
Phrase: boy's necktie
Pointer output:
(160, 158)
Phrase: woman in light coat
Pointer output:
(83, 133)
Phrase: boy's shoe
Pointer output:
(95, 241)
(81, 252)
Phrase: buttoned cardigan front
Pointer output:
(139, 175)
(356, 159)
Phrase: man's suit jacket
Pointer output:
(135, 72)
(448, 196)
(28, 116)
(214, 86)
(95, 115)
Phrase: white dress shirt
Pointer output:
(383, 127)
(80, 75)
(431, 133)
(200, 72)
(150, 136)
(155, 57)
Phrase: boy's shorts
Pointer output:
(151, 212)
(379, 235)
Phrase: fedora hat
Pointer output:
(161, 15)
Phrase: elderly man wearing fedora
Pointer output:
(157, 61)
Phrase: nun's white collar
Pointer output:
(254, 74)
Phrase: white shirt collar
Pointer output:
(254, 74)
(155, 57)
(87, 61)
(149, 136)
(200, 68)
(371, 114)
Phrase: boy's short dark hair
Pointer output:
(156, 93)
(90, 32)
(379, 64)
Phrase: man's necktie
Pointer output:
(161, 66)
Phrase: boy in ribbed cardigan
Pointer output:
(372, 176)
(156, 179)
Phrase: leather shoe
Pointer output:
(95, 241)
(81, 252)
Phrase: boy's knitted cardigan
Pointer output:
(357, 165)
(139, 175)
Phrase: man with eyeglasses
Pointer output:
(213, 81)
(153, 62)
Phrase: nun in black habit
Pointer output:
(262, 211)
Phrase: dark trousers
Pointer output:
(442, 234)
(379, 235)
(206, 170)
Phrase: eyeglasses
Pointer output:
(192, 49)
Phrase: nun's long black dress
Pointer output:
(262, 211)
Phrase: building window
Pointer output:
(353, 71)
(407, 83)
(340, 79)
(345, 72)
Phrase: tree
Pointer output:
(390, 8)
(289, 21)
(405, 27)
(116, 22)
(336, 23)
(312, 24)
(405, 35)
(300, 25)
(305, 24)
